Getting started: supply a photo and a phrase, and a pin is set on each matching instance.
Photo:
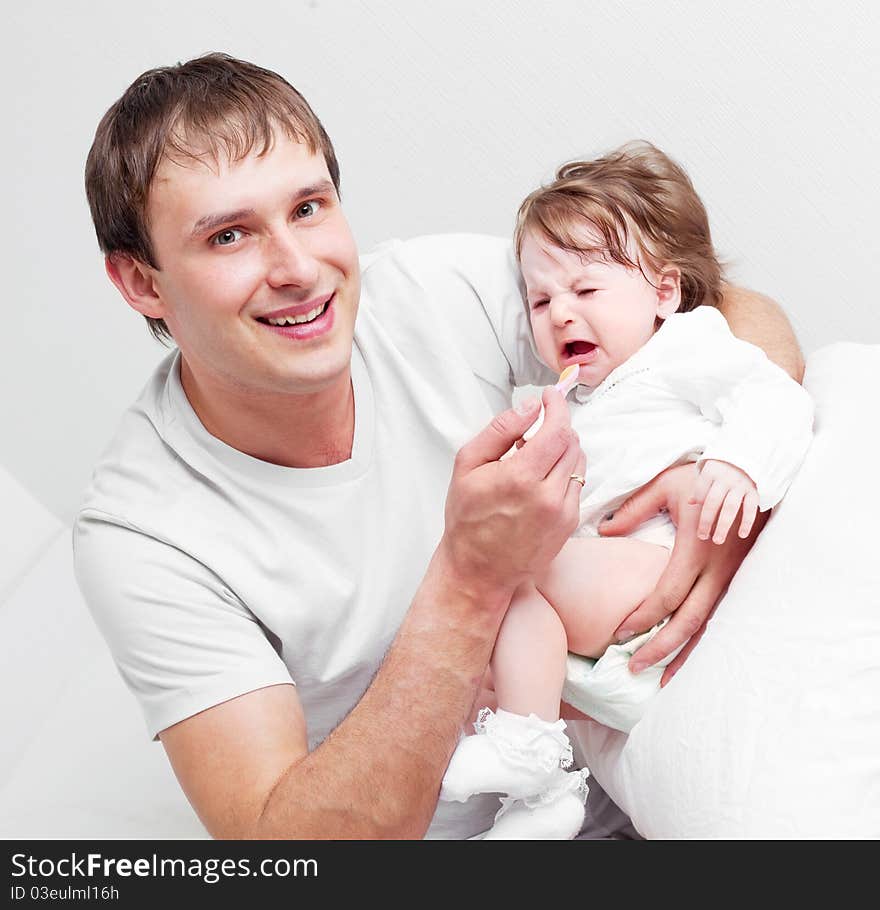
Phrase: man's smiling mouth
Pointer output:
(299, 313)
(302, 321)
(311, 316)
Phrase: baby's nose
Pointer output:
(560, 311)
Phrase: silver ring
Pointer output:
(578, 478)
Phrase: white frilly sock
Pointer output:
(510, 753)
(557, 813)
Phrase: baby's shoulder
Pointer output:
(703, 321)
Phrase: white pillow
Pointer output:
(772, 727)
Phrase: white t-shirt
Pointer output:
(694, 391)
(212, 573)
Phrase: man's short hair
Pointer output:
(209, 107)
(635, 194)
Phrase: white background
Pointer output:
(444, 115)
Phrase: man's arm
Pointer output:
(245, 764)
(246, 769)
(758, 319)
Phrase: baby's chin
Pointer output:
(592, 375)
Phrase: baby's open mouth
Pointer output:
(578, 348)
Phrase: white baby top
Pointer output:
(694, 391)
(212, 574)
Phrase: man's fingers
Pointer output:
(684, 567)
(673, 666)
(683, 625)
(578, 465)
(666, 598)
(641, 506)
(495, 439)
(571, 462)
(655, 607)
(541, 453)
(696, 609)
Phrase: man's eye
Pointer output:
(538, 304)
(307, 209)
(227, 237)
(585, 292)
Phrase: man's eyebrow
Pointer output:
(211, 222)
(316, 189)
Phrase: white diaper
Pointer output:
(606, 690)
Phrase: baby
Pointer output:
(622, 281)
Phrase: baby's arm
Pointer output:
(763, 418)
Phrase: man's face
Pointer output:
(258, 276)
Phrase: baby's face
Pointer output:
(588, 311)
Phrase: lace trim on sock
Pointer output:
(567, 782)
(570, 782)
(527, 740)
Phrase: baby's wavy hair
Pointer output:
(638, 194)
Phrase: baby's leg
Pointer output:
(595, 583)
(522, 750)
(528, 663)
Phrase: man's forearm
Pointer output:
(378, 774)
(757, 319)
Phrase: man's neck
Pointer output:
(296, 431)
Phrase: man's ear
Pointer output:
(668, 291)
(134, 281)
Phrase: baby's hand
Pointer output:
(723, 490)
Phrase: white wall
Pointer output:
(444, 115)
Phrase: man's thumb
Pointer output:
(642, 505)
(504, 430)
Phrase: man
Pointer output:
(265, 544)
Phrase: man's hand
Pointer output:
(502, 520)
(697, 575)
(723, 490)
(506, 519)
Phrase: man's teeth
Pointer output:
(298, 320)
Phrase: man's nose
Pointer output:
(289, 261)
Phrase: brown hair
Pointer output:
(211, 106)
(635, 192)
